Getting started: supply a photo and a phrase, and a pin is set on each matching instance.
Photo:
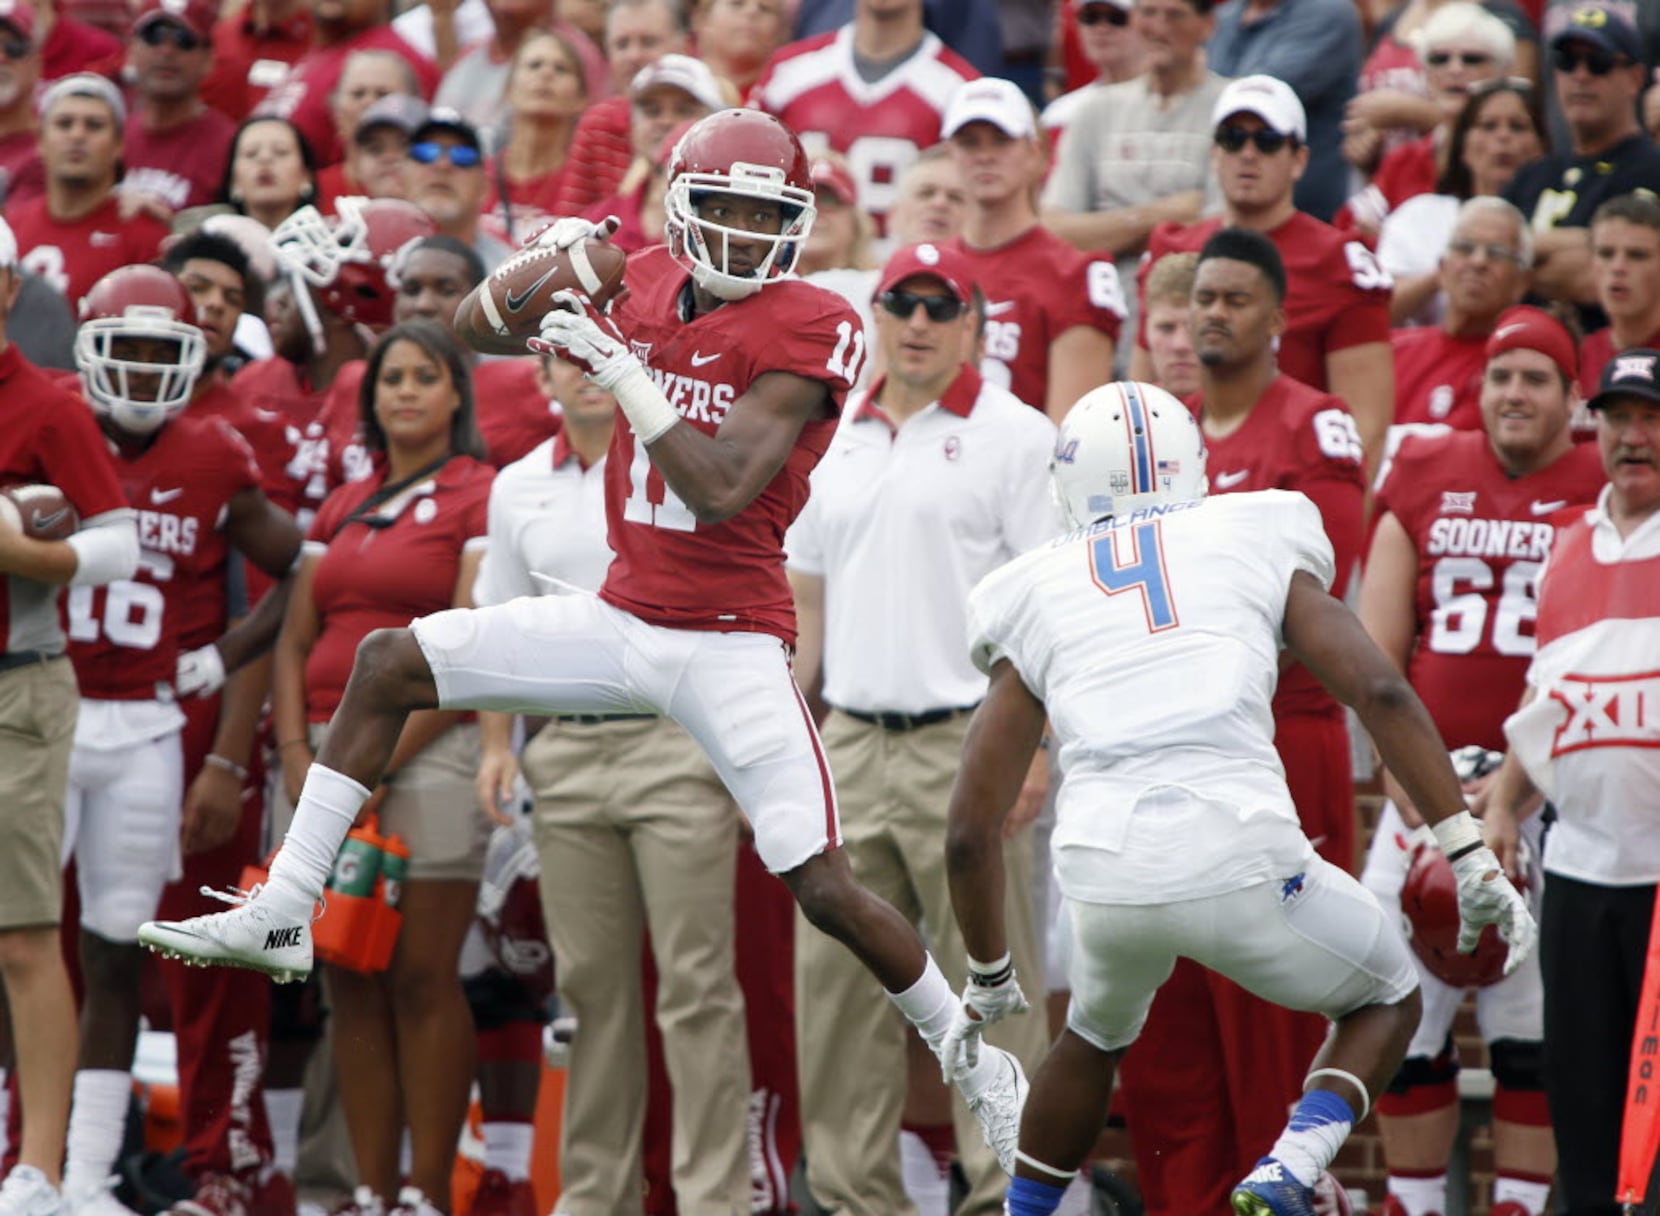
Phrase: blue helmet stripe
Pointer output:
(1142, 462)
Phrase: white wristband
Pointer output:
(648, 412)
(1456, 833)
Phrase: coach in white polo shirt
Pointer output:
(633, 830)
(935, 479)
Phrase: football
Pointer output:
(509, 305)
(39, 511)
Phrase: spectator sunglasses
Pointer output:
(1468, 59)
(13, 46)
(159, 33)
(1597, 61)
(1234, 139)
(940, 309)
(430, 152)
(1103, 14)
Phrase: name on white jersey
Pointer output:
(1513, 538)
(162, 533)
(695, 400)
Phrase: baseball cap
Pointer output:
(1526, 328)
(84, 84)
(197, 16)
(1631, 373)
(828, 175)
(690, 76)
(1602, 27)
(940, 262)
(442, 118)
(988, 99)
(404, 111)
(8, 246)
(20, 15)
(1269, 98)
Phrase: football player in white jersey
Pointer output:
(1150, 638)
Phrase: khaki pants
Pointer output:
(38, 708)
(893, 789)
(635, 832)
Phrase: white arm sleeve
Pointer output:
(106, 549)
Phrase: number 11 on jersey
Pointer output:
(1140, 569)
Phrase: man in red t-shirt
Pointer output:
(254, 46)
(1484, 270)
(695, 619)
(76, 233)
(1337, 297)
(20, 174)
(1625, 269)
(1053, 313)
(1206, 1096)
(176, 146)
(874, 90)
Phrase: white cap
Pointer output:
(8, 246)
(988, 99)
(1269, 98)
(690, 76)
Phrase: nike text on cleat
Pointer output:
(248, 935)
(998, 1107)
(1272, 1190)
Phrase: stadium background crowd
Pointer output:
(1413, 173)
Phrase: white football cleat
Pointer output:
(249, 935)
(997, 1107)
(26, 1192)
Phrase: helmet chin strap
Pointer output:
(724, 286)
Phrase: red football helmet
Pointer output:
(349, 259)
(744, 152)
(1430, 901)
(137, 303)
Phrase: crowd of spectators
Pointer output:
(1386, 192)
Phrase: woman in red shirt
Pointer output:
(546, 94)
(403, 543)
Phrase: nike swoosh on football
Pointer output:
(698, 359)
(1545, 508)
(43, 522)
(516, 301)
(1224, 480)
(159, 496)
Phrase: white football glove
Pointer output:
(573, 230)
(579, 333)
(1487, 897)
(986, 999)
(200, 672)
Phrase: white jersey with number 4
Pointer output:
(1154, 640)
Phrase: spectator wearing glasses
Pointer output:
(176, 147)
(1336, 335)
(447, 180)
(1110, 43)
(1597, 65)
(1500, 130)
(21, 178)
(1625, 266)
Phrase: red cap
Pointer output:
(197, 16)
(828, 175)
(1525, 328)
(20, 15)
(938, 261)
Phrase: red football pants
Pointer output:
(221, 1015)
(1208, 1085)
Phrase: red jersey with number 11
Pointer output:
(670, 569)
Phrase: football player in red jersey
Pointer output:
(734, 402)
(1484, 271)
(1336, 335)
(1450, 593)
(1052, 313)
(195, 487)
(1206, 1097)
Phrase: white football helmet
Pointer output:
(138, 302)
(1126, 445)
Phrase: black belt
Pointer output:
(596, 719)
(903, 722)
(25, 658)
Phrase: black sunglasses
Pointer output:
(1103, 14)
(14, 47)
(902, 304)
(430, 152)
(1469, 59)
(1597, 61)
(1234, 139)
(159, 32)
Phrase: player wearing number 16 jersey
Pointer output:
(730, 376)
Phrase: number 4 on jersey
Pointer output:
(1141, 569)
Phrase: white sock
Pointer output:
(1080, 1194)
(282, 1109)
(1531, 1195)
(507, 1148)
(329, 802)
(97, 1125)
(928, 1003)
(1420, 1196)
(927, 1185)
